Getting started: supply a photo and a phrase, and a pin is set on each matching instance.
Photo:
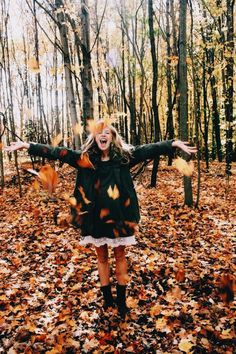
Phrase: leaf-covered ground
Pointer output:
(181, 272)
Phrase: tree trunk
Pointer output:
(229, 99)
(183, 90)
(170, 123)
(67, 67)
(86, 73)
(154, 88)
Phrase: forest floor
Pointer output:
(181, 285)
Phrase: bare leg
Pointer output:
(121, 276)
(103, 265)
(121, 265)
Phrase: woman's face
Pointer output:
(104, 139)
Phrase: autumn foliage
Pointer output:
(181, 272)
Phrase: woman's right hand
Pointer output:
(16, 145)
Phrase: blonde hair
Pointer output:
(118, 145)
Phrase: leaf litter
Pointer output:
(181, 272)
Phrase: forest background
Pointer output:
(162, 70)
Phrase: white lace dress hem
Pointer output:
(121, 241)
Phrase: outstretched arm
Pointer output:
(150, 151)
(63, 154)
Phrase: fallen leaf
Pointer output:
(184, 167)
(185, 345)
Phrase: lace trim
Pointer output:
(122, 241)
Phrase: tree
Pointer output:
(183, 91)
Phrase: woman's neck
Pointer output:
(105, 156)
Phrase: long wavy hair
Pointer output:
(118, 145)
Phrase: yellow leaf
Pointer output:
(56, 141)
(72, 201)
(33, 65)
(184, 167)
(113, 192)
(161, 324)
(185, 345)
(77, 129)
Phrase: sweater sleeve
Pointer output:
(150, 151)
(56, 153)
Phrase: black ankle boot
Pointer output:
(107, 295)
(121, 300)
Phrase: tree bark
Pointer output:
(183, 90)
(67, 67)
(154, 88)
(86, 73)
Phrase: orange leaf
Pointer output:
(113, 192)
(116, 233)
(84, 161)
(104, 212)
(127, 202)
(180, 275)
(48, 177)
(83, 195)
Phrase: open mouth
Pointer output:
(103, 143)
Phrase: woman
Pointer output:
(106, 208)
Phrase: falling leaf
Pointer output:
(72, 201)
(35, 185)
(33, 65)
(97, 185)
(184, 167)
(104, 212)
(84, 161)
(185, 345)
(92, 126)
(127, 202)
(113, 192)
(83, 195)
(78, 129)
(116, 232)
(48, 177)
(56, 141)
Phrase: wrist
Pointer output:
(26, 145)
(175, 144)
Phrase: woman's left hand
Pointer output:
(184, 146)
